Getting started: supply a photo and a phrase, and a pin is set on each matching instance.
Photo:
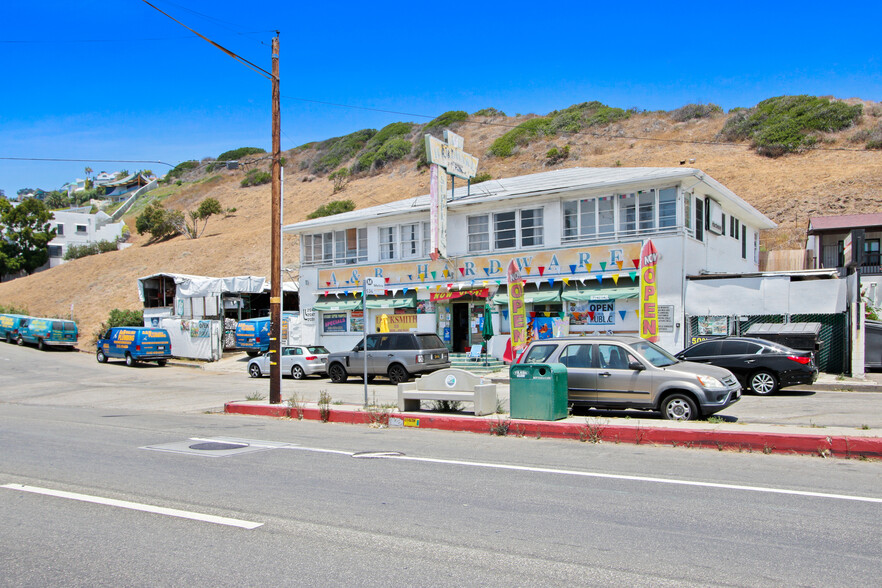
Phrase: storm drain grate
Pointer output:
(217, 446)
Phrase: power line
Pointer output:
(579, 132)
(238, 58)
(125, 40)
(85, 160)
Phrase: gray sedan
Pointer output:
(299, 361)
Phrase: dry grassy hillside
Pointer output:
(787, 189)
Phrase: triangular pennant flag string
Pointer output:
(541, 270)
(633, 276)
(615, 278)
(434, 274)
(573, 269)
(551, 282)
(600, 278)
(566, 281)
(622, 314)
(620, 263)
(603, 266)
(636, 262)
(588, 266)
(462, 271)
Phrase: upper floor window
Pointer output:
(410, 240)
(344, 247)
(479, 233)
(82, 229)
(427, 239)
(621, 215)
(388, 238)
(59, 229)
(511, 229)
(699, 219)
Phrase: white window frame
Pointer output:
(483, 237)
(328, 248)
(410, 240)
(388, 241)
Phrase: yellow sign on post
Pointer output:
(516, 307)
(649, 292)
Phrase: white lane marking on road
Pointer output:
(500, 466)
(172, 512)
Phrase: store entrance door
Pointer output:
(460, 323)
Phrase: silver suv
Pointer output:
(396, 355)
(630, 372)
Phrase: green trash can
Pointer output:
(538, 391)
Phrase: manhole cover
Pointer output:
(214, 446)
(377, 454)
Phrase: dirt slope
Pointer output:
(789, 190)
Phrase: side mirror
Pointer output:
(636, 366)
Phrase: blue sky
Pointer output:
(118, 80)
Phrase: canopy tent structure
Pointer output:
(189, 286)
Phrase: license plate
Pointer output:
(161, 347)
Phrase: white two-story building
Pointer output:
(76, 226)
(575, 233)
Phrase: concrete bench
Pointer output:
(452, 385)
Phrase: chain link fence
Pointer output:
(830, 359)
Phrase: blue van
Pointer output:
(9, 325)
(253, 335)
(135, 344)
(47, 331)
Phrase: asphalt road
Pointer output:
(443, 509)
(58, 378)
(452, 509)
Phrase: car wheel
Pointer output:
(253, 353)
(338, 373)
(254, 370)
(130, 361)
(297, 372)
(161, 362)
(763, 383)
(398, 374)
(679, 407)
(40, 345)
(101, 357)
(19, 341)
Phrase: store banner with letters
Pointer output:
(649, 292)
(516, 307)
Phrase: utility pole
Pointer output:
(275, 395)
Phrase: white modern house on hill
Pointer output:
(76, 226)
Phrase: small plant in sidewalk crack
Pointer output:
(500, 427)
(592, 431)
(255, 396)
(378, 415)
(295, 403)
(324, 404)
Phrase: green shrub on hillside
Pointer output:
(387, 145)
(333, 152)
(692, 111)
(481, 177)
(256, 177)
(121, 318)
(157, 221)
(447, 119)
(78, 251)
(787, 124)
(571, 120)
(332, 208)
(488, 112)
(179, 169)
(555, 155)
(12, 309)
(236, 154)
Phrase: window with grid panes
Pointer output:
(646, 210)
(505, 232)
(410, 240)
(388, 240)
(427, 239)
(532, 231)
(479, 233)
(667, 208)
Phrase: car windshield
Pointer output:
(318, 349)
(654, 354)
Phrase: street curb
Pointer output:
(787, 443)
(845, 387)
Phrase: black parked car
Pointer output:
(760, 365)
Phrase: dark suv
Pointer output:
(396, 355)
(630, 372)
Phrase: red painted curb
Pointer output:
(821, 445)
